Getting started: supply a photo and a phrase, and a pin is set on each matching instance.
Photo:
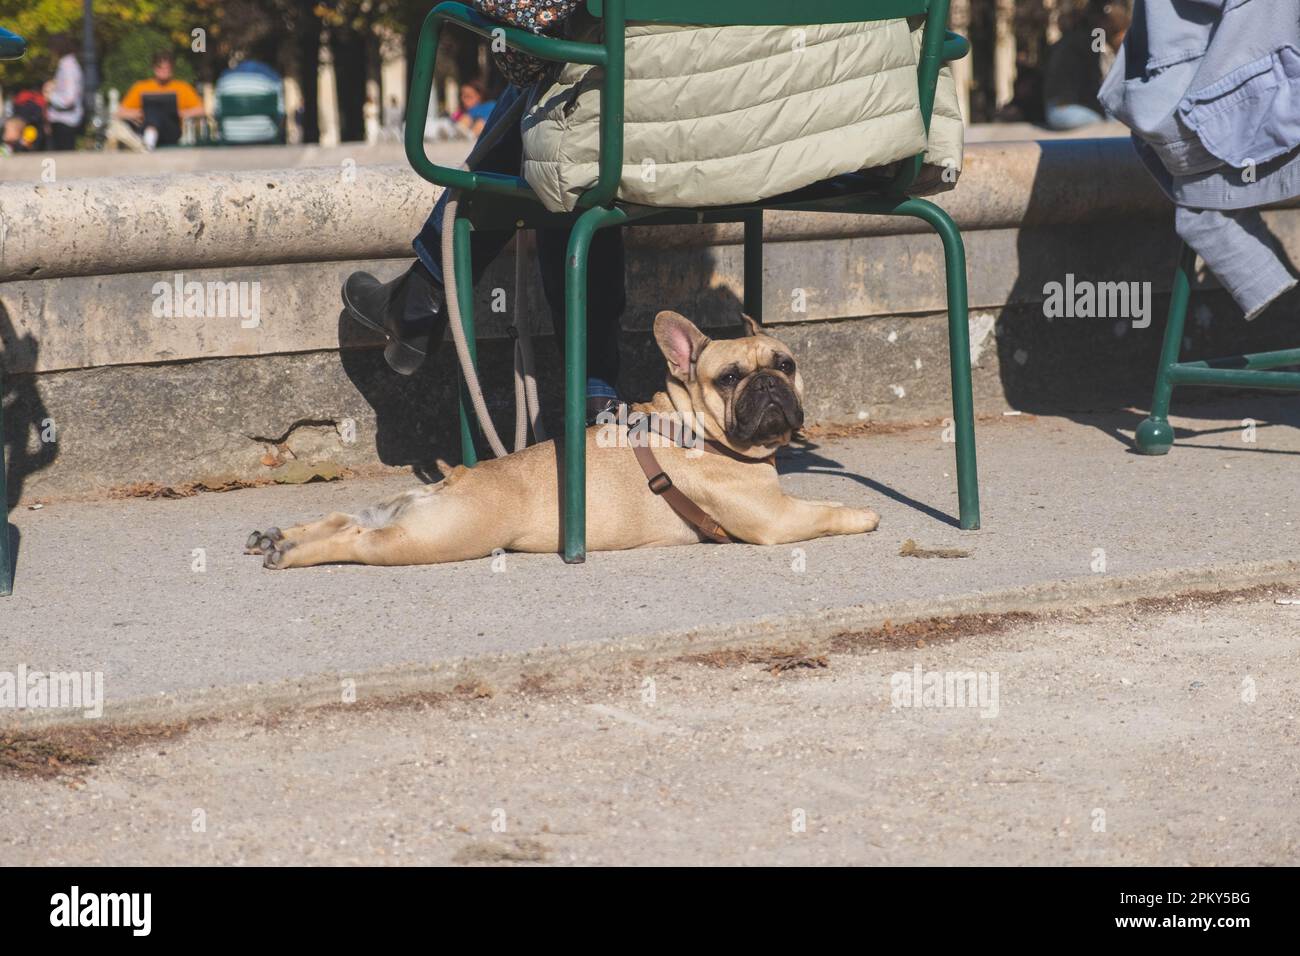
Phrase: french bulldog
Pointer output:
(741, 398)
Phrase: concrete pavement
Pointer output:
(157, 595)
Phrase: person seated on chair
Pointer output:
(144, 118)
(1079, 61)
(411, 309)
(475, 108)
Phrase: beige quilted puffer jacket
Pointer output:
(720, 115)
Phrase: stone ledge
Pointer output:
(111, 225)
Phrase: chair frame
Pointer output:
(1155, 436)
(12, 47)
(6, 566)
(500, 201)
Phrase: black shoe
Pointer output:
(597, 405)
(410, 311)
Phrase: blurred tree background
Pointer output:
(1010, 39)
(289, 35)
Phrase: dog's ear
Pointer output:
(681, 342)
(751, 326)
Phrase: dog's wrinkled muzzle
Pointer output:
(766, 411)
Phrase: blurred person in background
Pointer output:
(1077, 63)
(132, 130)
(64, 95)
(475, 108)
(24, 129)
(370, 113)
(394, 117)
(467, 120)
(250, 78)
(1026, 104)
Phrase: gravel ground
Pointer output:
(1153, 733)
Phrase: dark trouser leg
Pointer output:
(606, 298)
(504, 156)
(410, 309)
(63, 137)
(605, 285)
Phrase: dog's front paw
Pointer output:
(861, 520)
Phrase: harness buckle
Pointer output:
(660, 483)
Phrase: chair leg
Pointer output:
(963, 406)
(575, 378)
(1155, 436)
(6, 568)
(462, 262)
(754, 265)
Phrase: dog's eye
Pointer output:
(785, 364)
(728, 379)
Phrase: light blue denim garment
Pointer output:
(1244, 256)
(1071, 116)
(1207, 85)
(1211, 91)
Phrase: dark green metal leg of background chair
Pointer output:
(1155, 436)
(6, 562)
(12, 47)
(496, 200)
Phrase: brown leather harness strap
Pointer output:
(658, 481)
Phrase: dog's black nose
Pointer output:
(764, 383)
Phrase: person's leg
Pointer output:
(1066, 116)
(504, 155)
(410, 310)
(63, 137)
(1239, 249)
(606, 301)
(121, 134)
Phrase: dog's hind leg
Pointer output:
(431, 532)
(343, 545)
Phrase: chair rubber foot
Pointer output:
(1155, 436)
(575, 558)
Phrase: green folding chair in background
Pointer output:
(499, 201)
(1155, 436)
(238, 105)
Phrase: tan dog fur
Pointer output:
(513, 503)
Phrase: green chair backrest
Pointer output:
(248, 104)
(764, 12)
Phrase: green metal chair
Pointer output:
(232, 105)
(12, 47)
(1155, 436)
(498, 201)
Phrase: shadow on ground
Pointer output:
(28, 438)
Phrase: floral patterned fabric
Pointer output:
(539, 16)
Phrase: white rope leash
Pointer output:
(527, 406)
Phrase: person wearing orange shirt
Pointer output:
(138, 125)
